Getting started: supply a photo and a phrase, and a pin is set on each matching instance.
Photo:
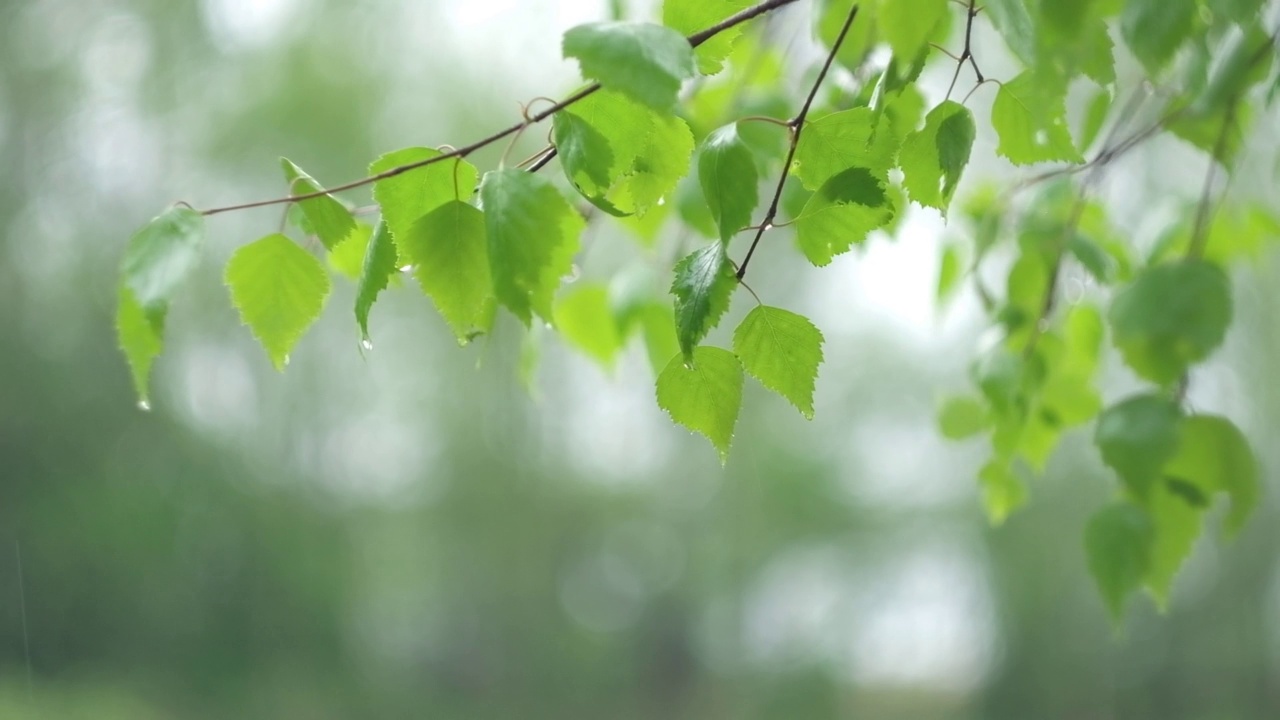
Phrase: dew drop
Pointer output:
(144, 405)
(406, 268)
(662, 201)
(286, 361)
(548, 326)
(768, 226)
(688, 365)
(366, 344)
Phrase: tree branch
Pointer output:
(797, 126)
(967, 54)
(695, 40)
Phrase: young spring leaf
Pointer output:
(406, 197)
(1136, 437)
(1118, 546)
(727, 173)
(328, 219)
(963, 417)
(1171, 316)
(704, 393)
(834, 143)
(450, 258)
(141, 338)
(933, 157)
(1029, 116)
(532, 236)
(1214, 456)
(1016, 27)
(584, 153)
(782, 350)
(379, 264)
(848, 206)
(907, 24)
(1153, 29)
(689, 16)
(1003, 491)
(585, 320)
(644, 61)
(279, 289)
(1176, 523)
(703, 284)
(347, 259)
(161, 255)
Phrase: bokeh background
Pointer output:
(423, 530)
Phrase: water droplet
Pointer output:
(662, 201)
(144, 405)
(286, 361)
(768, 226)
(688, 365)
(548, 326)
(406, 268)
(575, 272)
(366, 344)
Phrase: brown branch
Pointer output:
(695, 40)
(797, 126)
(967, 53)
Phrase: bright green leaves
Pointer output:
(1171, 316)
(375, 272)
(1214, 456)
(1117, 543)
(161, 255)
(532, 236)
(933, 157)
(618, 152)
(450, 259)
(1029, 116)
(907, 24)
(644, 61)
(325, 217)
(963, 416)
(782, 350)
(1154, 29)
(849, 205)
(834, 143)
(691, 16)
(703, 284)
(1016, 27)
(141, 337)
(704, 393)
(279, 289)
(407, 196)
(1003, 491)
(1137, 437)
(727, 173)
(585, 319)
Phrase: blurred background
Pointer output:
(423, 530)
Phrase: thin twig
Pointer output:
(967, 53)
(797, 125)
(695, 40)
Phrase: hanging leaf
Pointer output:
(584, 153)
(1176, 523)
(703, 284)
(326, 218)
(405, 198)
(1118, 542)
(1030, 118)
(834, 143)
(908, 24)
(141, 338)
(1003, 492)
(782, 350)
(933, 157)
(704, 393)
(963, 417)
(1214, 456)
(161, 255)
(691, 16)
(533, 236)
(450, 257)
(1154, 29)
(1137, 437)
(279, 289)
(841, 214)
(380, 261)
(727, 173)
(644, 61)
(585, 320)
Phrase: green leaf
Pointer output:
(1029, 116)
(782, 350)
(657, 323)
(704, 283)
(644, 61)
(1118, 543)
(933, 157)
(585, 320)
(834, 143)
(1014, 23)
(949, 273)
(141, 337)
(1154, 29)
(1176, 525)
(1214, 456)
(660, 162)
(450, 257)
(584, 153)
(327, 219)
(161, 255)
(378, 266)
(279, 289)
(962, 417)
(704, 394)
(727, 173)
(347, 259)
(1094, 117)
(844, 210)
(1171, 316)
(533, 236)
(406, 197)
(1137, 437)
(1003, 491)
(690, 16)
(907, 24)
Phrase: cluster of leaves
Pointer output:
(847, 162)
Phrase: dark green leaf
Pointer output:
(279, 289)
(328, 219)
(644, 61)
(727, 173)
(703, 285)
(379, 264)
(450, 257)
(1154, 29)
(933, 157)
(1118, 542)
(533, 236)
(584, 153)
(704, 393)
(782, 350)
(1137, 437)
(161, 255)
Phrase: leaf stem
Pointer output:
(967, 53)
(797, 125)
(695, 40)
